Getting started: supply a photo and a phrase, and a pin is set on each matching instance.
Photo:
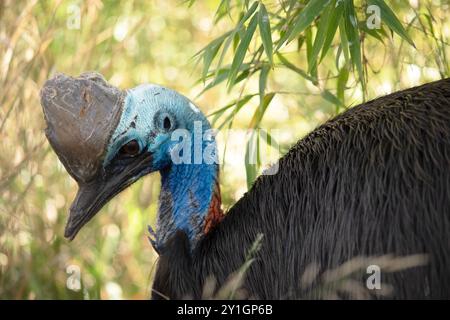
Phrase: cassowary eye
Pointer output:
(130, 149)
(167, 123)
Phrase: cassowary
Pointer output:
(374, 180)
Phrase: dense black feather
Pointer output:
(175, 280)
(372, 181)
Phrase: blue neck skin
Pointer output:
(186, 194)
(187, 191)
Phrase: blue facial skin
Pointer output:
(150, 116)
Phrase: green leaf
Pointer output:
(391, 20)
(236, 40)
(300, 42)
(246, 2)
(371, 32)
(342, 82)
(343, 46)
(248, 14)
(224, 51)
(238, 28)
(250, 170)
(219, 76)
(223, 73)
(239, 103)
(209, 52)
(263, 81)
(294, 68)
(209, 55)
(241, 50)
(304, 19)
(266, 34)
(190, 3)
(259, 112)
(268, 139)
(352, 33)
(320, 37)
(430, 21)
(327, 95)
(334, 19)
(338, 56)
(243, 75)
(309, 46)
(222, 10)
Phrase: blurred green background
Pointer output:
(132, 42)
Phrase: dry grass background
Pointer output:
(131, 43)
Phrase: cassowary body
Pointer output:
(373, 181)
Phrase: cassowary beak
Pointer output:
(92, 196)
(81, 115)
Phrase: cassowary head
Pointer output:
(108, 138)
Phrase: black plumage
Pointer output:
(374, 180)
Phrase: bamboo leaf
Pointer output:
(391, 20)
(258, 150)
(222, 74)
(218, 39)
(241, 50)
(268, 139)
(259, 112)
(430, 21)
(209, 55)
(371, 32)
(300, 42)
(222, 10)
(263, 81)
(320, 36)
(342, 82)
(248, 14)
(327, 95)
(224, 51)
(243, 75)
(338, 56)
(304, 19)
(238, 28)
(352, 33)
(344, 44)
(266, 34)
(210, 51)
(190, 3)
(309, 46)
(236, 40)
(334, 19)
(239, 103)
(294, 68)
(250, 167)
